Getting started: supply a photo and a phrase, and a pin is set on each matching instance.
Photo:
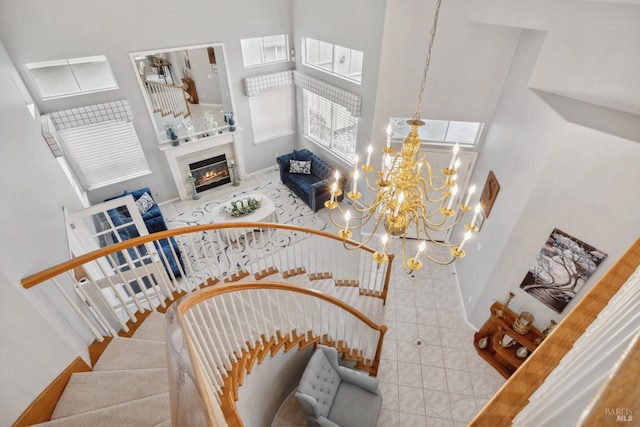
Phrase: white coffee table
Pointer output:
(265, 213)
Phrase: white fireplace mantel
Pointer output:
(181, 155)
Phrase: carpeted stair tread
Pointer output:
(148, 411)
(132, 353)
(89, 391)
(152, 328)
(327, 286)
(300, 280)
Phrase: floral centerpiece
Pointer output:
(241, 207)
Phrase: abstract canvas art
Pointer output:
(561, 269)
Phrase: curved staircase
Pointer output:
(129, 384)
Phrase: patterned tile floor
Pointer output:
(430, 373)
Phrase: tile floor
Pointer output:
(430, 373)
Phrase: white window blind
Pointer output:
(104, 153)
(74, 76)
(330, 124)
(272, 113)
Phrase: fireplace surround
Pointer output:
(200, 152)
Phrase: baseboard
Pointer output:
(268, 169)
(464, 308)
(43, 406)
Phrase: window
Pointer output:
(439, 132)
(104, 153)
(264, 50)
(333, 59)
(75, 76)
(330, 125)
(272, 113)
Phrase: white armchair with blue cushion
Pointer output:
(334, 395)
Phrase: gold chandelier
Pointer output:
(406, 198)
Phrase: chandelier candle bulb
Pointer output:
(334, 187)
(397, 209)
(453, 158)
(476, 211)
(423, 245)
(355, 182)
(347, 216)
(467, 236)
(472, 190)
(454, 191)
(456, 165)
(355, 165)
(389, 136)
(369, 151)
(385, 241)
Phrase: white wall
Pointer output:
(35, 345)
(552, 174)
(205, 79)
(38, 31)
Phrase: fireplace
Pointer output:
(210, 173)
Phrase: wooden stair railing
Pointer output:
(211, 255)
(278, 314)
(167, 99)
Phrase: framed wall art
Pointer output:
(489, 193)
(561, 269)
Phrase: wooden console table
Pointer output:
(504, 359)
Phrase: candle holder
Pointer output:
(344, 234)
(354, 196)
(500, 312)
(523, 323)
(446, 212)
(458, 253)
(414, 264)
(380, 257)
(549, 328)
(473, 228)
(234, 174)
(191, 180)
(330, 205)
(367, 168)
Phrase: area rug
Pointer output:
(232, 255)
(289, 208)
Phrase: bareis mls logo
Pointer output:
(620, 414)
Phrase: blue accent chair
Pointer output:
(334, 395)
(315, 188)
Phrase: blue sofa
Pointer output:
(154, 221)
(315, 187)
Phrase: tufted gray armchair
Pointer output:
(333, 395)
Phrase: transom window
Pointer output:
(439, 132)
(333, 59)
(74, 76)
(330, 125)
(264, 50)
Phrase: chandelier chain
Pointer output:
(434, 27)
